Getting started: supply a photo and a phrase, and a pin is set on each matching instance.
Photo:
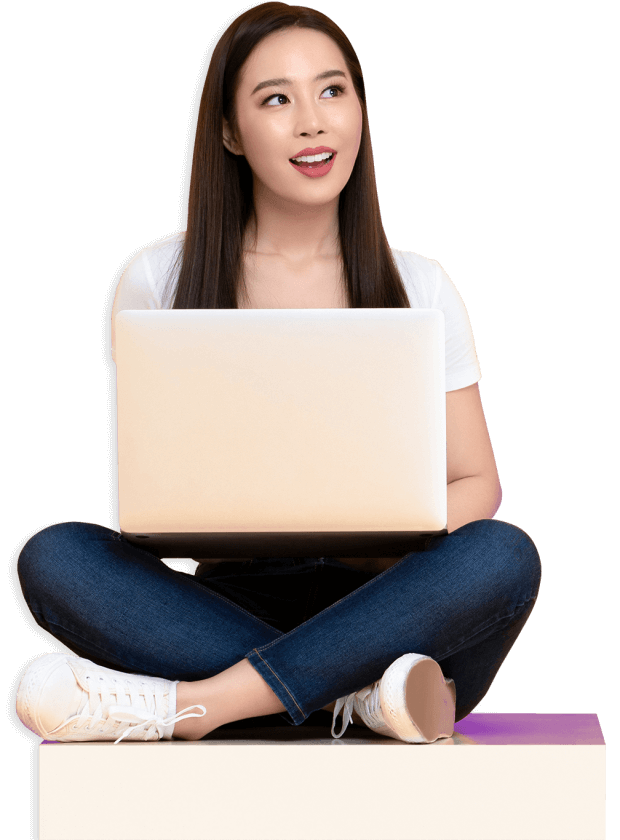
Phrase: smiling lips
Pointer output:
(316, 169)
(319, 160)
(308, 152)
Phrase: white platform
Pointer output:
(530, 777)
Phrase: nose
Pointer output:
(309, 119)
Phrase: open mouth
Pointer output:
(312, 164)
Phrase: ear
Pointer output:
(230, 142)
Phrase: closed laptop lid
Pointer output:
(281, 421)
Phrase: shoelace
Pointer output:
(99, 710)
(368, 707)
(128, 714)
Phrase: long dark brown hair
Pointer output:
(209, 263)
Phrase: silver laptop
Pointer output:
(281, 432)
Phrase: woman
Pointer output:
(283, 212)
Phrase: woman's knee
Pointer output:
(51, 554)
(509, 548)
(520, 547)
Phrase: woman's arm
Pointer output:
(470, 498)
(474, 491)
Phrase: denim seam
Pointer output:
(458, 647)
(256, 651)
(350, 594)
(331, 606)
(204, 586)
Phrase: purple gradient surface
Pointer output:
(531, 729)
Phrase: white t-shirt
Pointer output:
(143, 286)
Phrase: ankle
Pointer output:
(192, 728)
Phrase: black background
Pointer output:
(460, 126)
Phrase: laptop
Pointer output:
(281, 432)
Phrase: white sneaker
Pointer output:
(62, 697)
(412, 702)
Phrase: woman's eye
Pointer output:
(336, 88)
(339, 88)
(275, 96)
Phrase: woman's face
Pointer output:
(295, 93)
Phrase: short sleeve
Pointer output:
(462, 366)
(135, 290)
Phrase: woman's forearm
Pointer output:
(470, 498)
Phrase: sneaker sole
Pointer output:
(418, 703)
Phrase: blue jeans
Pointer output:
(314, 629)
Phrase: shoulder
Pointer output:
(151, 267)
(413, 264)
(163, 249)
(158, 249)
(421, 276)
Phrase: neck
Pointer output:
(296, 238)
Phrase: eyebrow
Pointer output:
(278, 82)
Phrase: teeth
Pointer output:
(313, 158)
